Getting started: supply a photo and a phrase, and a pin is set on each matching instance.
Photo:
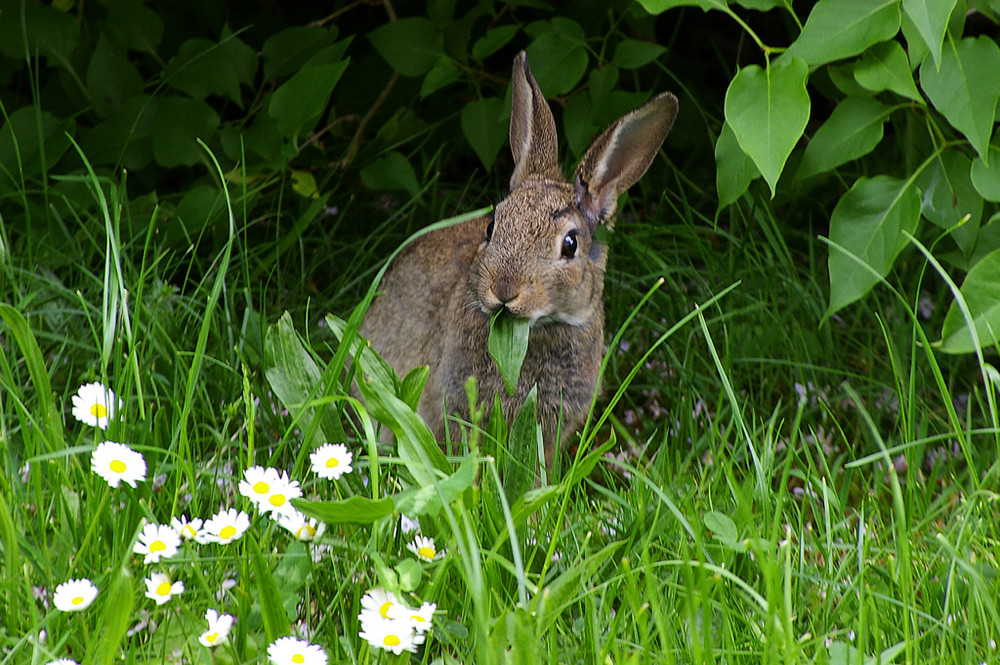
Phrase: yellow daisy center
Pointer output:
(157, 546)
(163, 589)
(227, 532)
(391, 640)
(417, 618)
(260, 487)
(77, 600)
(384, 610)
(117, 466)
(211, 637)
(305, 532)
(277, 499)
(189, 531)
(98, 411)
(298, 658)
(426, 552)
(332, 462)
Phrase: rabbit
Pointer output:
(535, 256)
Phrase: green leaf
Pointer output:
(722, 526)
(413, 385)
(287, 51)
(852, 130)
(134, 24)
(868, 222)
(655, 7)
(494, 40)
(767, 110)
(522, 449)
(986, 178)
(179, 123)
(484, 126)
(272, 610)
(203, 67)
(558, 57)
(734, 169)
(839, 29)
(299, 102)
(930, 18)
(979, 290)
(355, 510)
(111, 78)
(966, 87)
(50, 32)
(430, 499)
(632, 53)
(119, 602)
(391, 171)
(444, 72)
(411, 46)
(885, 67)
(948, 196)
(28, 142)
(409, 571)
(508, 344)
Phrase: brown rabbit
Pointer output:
(536, 257)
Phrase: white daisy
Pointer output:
(424, 548)
(157, 541)
(407, 524)
(331, 460)
(377, 603)
(94, 404)
(292, 651)
(219, 626)
(160, 588)
(62, 661)
(188, 529)
(302, 527)
(420, 619)
(225, 526)
(74, 595)
(395, 635)
(269, 489)
(116, 462)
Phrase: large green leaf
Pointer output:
(179, 123)
(391, 171)
(522, 449)
(966, 87)
(767, 110)
(298, 103)
(734, 170)
(111, 78)
(430, 499)
(203, 67)
(558, 56)
(508, 344)
(930, 18)
(986, 175)
(852, 130)
(494, 40)
(411, 46)
(484, 127)
(355, 510)
(979, 290)
(868, 222)
(632, 53)
(948, 196)
(839, 29)
(287, 51)
(119, 602)
(885, 67)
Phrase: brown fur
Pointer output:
(438, 297)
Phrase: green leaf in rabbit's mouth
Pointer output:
(509, 345)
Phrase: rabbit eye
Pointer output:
(489, 231)
(569, 245)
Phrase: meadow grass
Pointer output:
(756, 485)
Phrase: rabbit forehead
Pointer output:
(537, 210)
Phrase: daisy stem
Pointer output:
(95, 519)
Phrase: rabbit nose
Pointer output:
(506, 289)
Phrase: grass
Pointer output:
(783, 489)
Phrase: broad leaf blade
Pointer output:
(298, 103)
(508, 345)
(839, 29)
(767, 110)
(868, 223)
(522, 447)
(852, 130)
(966, 87)
(355, 510)
(411, 46)
(930, 18)
(734, 169)
(886, 67)
(485, 127)
(980, 293)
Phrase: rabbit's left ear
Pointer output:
(621, 155)
(533, 139)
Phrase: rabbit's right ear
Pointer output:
(533, 138)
